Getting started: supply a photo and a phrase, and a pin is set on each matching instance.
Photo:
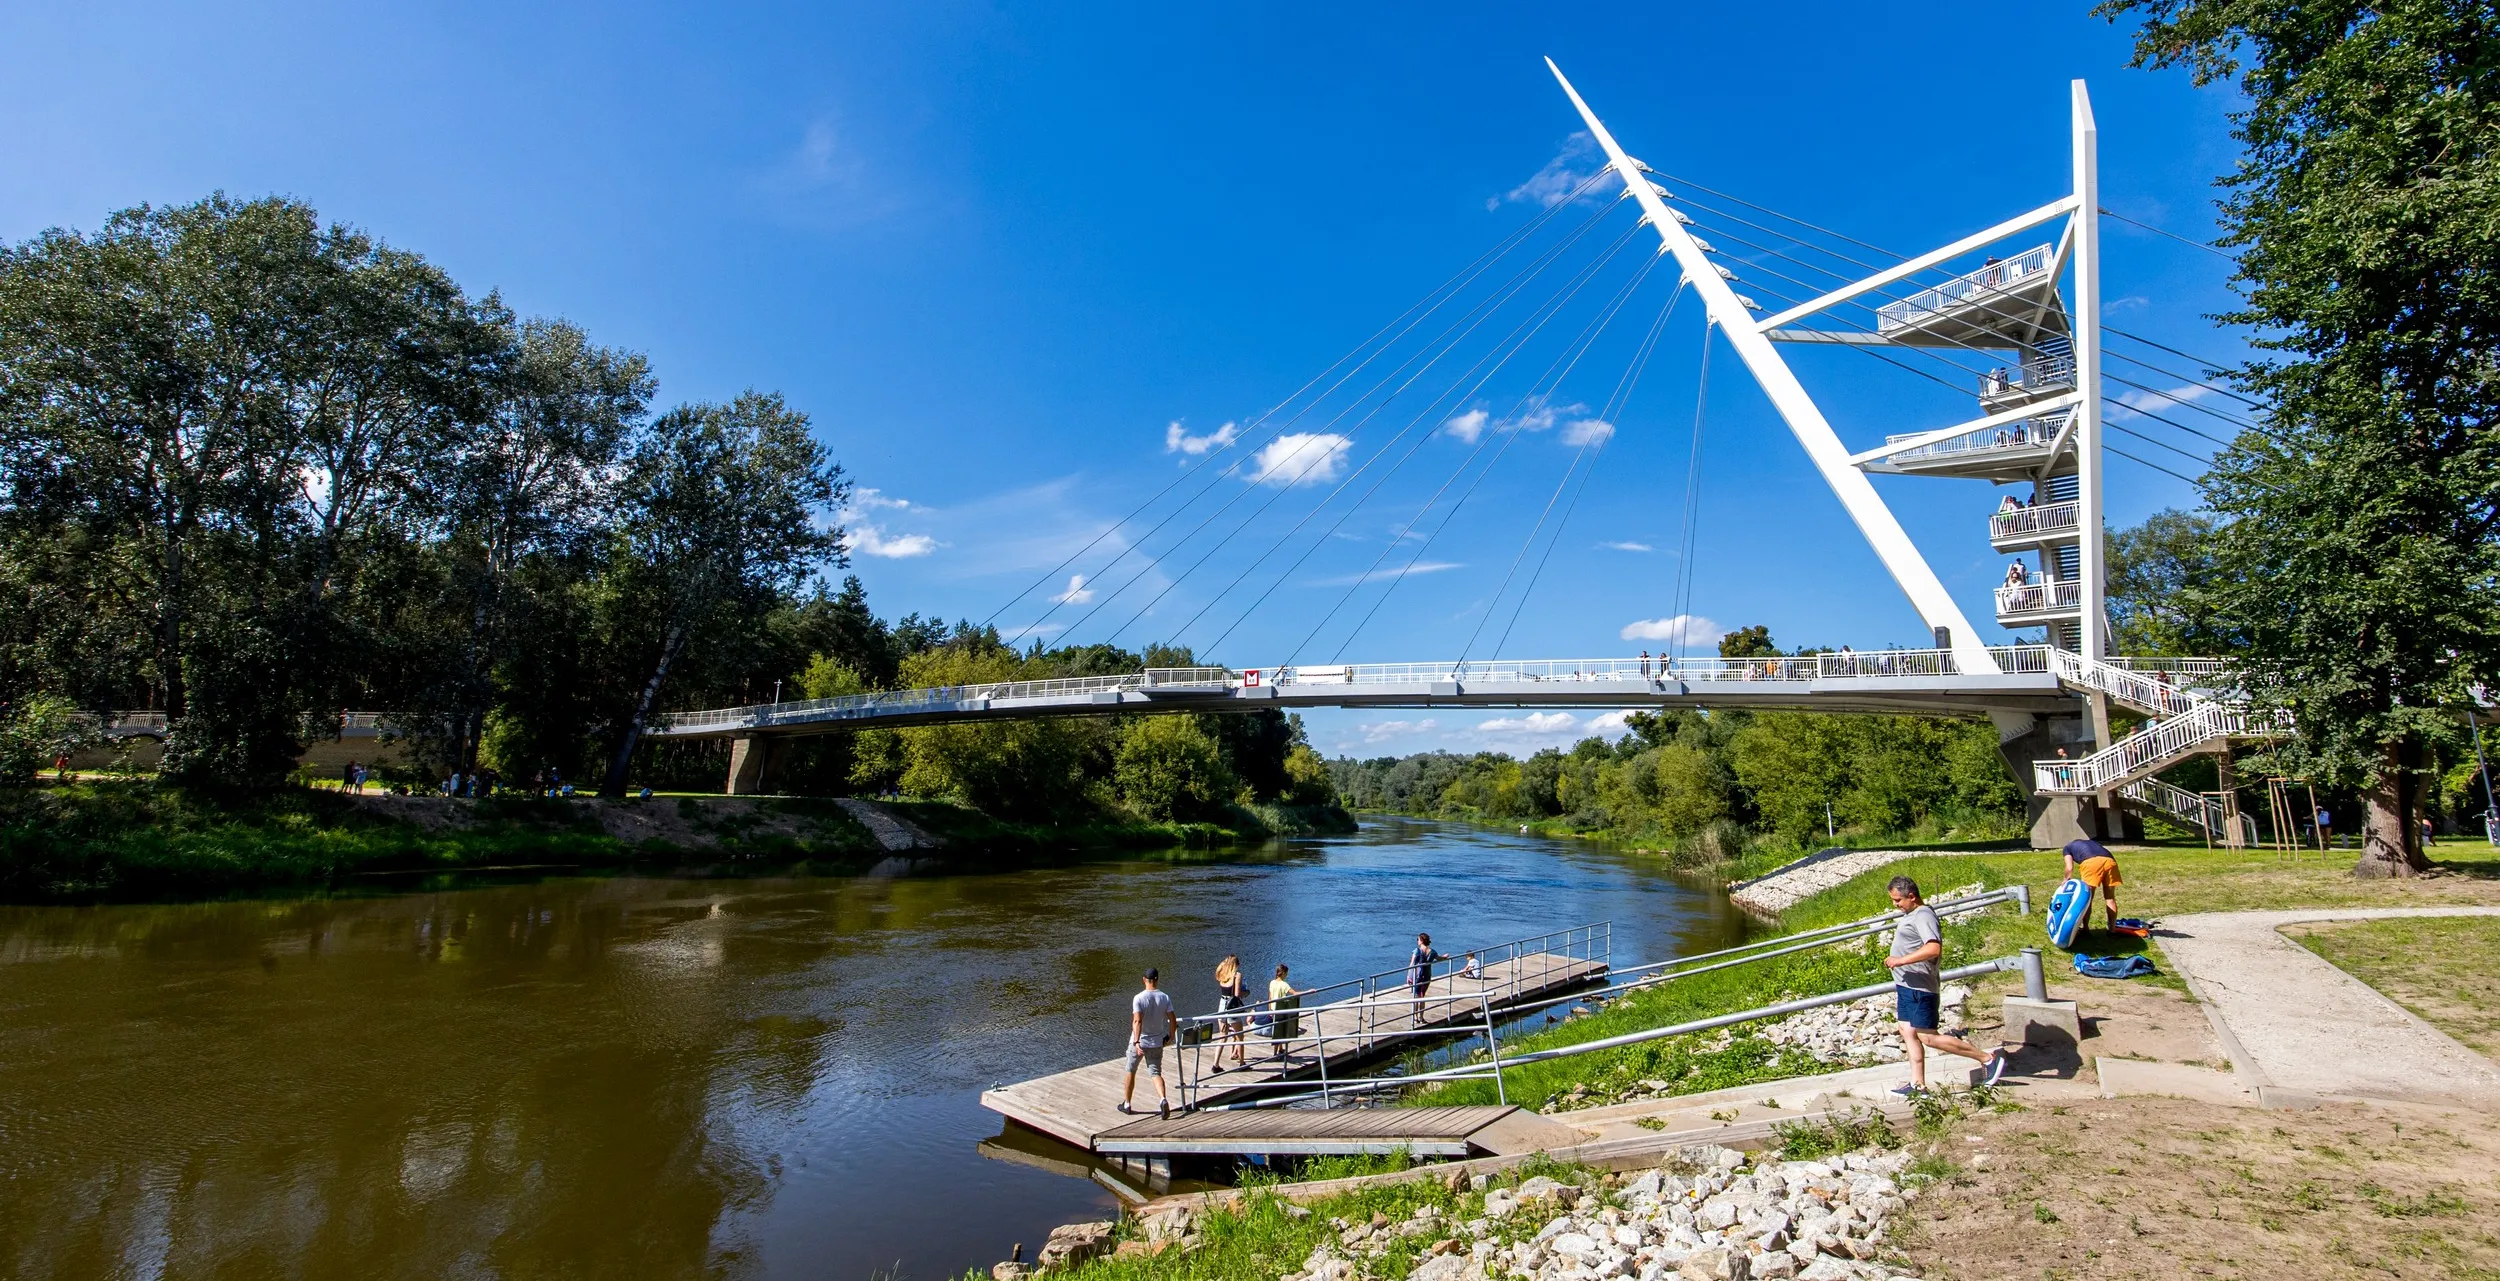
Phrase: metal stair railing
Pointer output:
(2156, 747)
(2134, 689)
(2175, 803)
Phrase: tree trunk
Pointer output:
(614, 787)
(2390, 844)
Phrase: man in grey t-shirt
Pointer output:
(1151, 1022)
(1917, 976)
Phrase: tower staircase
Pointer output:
(2186, 721)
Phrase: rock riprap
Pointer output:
(1858, 1033)
(1709, 1214)
(1710, 1217)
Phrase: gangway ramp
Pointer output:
(1460, 1131)
(1340, 1026)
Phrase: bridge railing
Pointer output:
(2046, 518)
(2030, 659)
(2022, 269)
(764, 715)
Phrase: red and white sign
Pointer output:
(1250, 678)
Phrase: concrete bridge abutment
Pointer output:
(755, 762)
(2024, 741)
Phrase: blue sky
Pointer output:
(1018, 261)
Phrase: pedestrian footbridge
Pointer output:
(2191, 709)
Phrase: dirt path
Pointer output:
(2299, 1029)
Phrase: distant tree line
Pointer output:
(257, 470)
(1702, 784)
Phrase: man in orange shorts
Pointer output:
(2086, 860)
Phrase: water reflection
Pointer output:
(658, 1078)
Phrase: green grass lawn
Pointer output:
(2438, 967)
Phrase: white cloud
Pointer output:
(1378, 575)
(824, 182)
(1628, 547)
(1383, 731)
(1177, 440)
(865, 500)
(1610, 723)
(1561, 176)
(2128, 303)
(1303, 458)
(1687, 629)
(2164, 402)
(867, 540)
(1532, 723)
(1467, 426)
(1588, 431)
(1077, 594)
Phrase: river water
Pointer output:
(611, 1077)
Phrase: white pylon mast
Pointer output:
(2031, 424)
(1891, 543)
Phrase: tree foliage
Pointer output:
(2356, 556)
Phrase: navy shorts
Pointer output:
(1915, 1007)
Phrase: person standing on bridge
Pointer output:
(1151, 1022)
(1644, 664)
(1419, 972)
(1918, 982)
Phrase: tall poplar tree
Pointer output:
(2358, 547)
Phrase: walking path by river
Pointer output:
(2296, 1026)
(660, 1077)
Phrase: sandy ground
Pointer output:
(2156, 1187)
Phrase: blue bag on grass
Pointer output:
(2114, 967)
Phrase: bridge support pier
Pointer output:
(2055, 820)
(755, 762)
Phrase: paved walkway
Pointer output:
(2297, 1027)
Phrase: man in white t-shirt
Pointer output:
(1151, 1023)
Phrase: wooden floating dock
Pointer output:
(1078, 1106)
(1469, 1131)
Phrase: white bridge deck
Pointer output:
(1900, 681)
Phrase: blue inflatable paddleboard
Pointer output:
(2067, 910)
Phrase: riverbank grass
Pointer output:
(137, 838)
(2439, 967)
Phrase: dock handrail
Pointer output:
(1618, 981)
(1474, 1071)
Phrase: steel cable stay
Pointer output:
(1913, 283)
(1692, 506)
(1619, 402)
(1540, 395)
(1555, 372)
(1518, 337)
(1509, 438)
(1429, 355)
(1415, 314)
(1871, 351)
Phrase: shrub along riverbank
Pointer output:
(143, 839)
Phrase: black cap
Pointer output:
(1153, 973)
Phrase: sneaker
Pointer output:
(1164, 1108)
(1996, 1067)
(1124, 1109)
(1909, 1091)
